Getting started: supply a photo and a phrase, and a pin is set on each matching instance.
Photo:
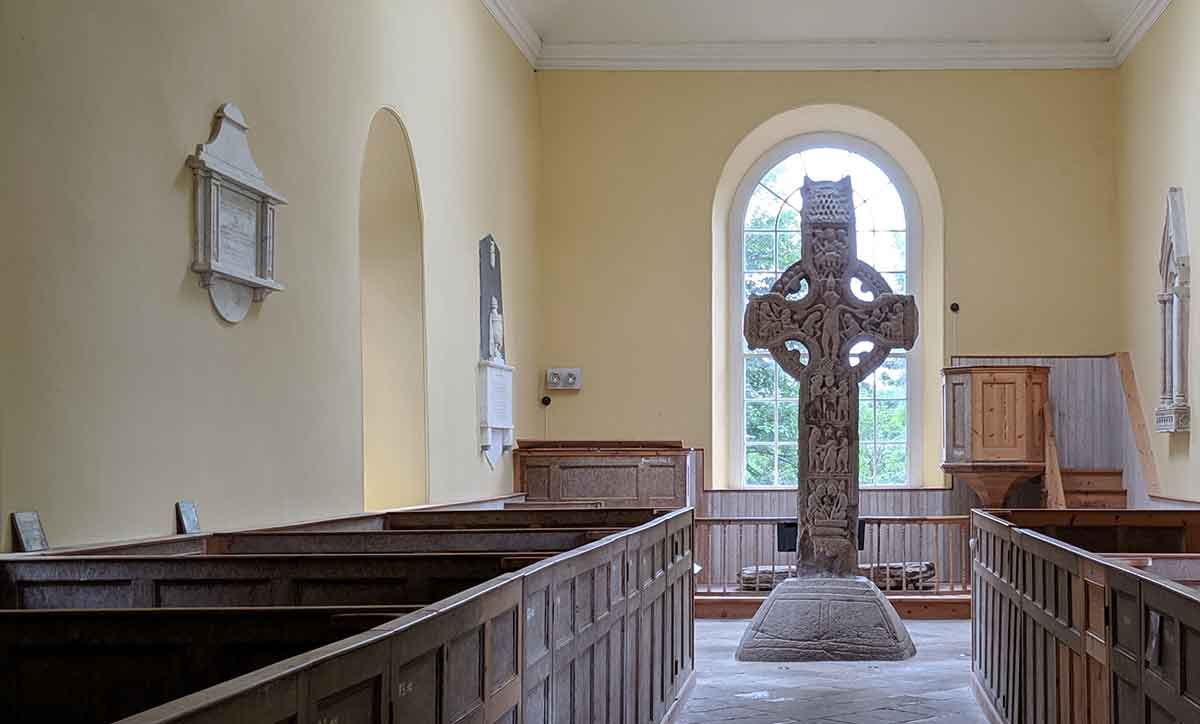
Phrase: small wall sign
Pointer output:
(234, 238)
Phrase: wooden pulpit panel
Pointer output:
(994, 426)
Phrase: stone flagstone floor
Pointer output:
(932, 688)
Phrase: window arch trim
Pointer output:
(915, 242)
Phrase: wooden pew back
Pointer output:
(261, 580)
(581, 636)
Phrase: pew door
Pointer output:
(1171, 654)
(1125, 647)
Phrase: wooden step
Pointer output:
(1093, 489)
(1099, 499)
(1092, 481)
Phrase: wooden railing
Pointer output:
(927, 555)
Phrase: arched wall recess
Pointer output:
(873, 130)
(394, 341)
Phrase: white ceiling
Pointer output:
(817, 34)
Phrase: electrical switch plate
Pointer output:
(564, 378)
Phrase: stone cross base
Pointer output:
(826, 619)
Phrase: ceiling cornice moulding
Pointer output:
(518, 28)
(1136, 25)
(824, 55)
(850, 54)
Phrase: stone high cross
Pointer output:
(813, 308)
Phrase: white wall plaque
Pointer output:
(234, 238)
(1173, 413)
(495, 413)
(495, 384)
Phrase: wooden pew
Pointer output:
(507, 650)
(627, 574)
(115, 663)
(1097, 634)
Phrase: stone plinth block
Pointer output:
(823, 618)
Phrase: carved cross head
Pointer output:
(814, 303)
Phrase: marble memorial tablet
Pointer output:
(234, 237)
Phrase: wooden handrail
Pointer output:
(749, 519)
(1055, 497)
(916, 519)
(898, 519)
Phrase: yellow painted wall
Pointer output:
(119, 389)
(1159, 87)
(393, 329)
(1025, 162)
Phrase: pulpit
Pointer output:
(995, 427)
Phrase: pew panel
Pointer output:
(407, 541)
(263, 580)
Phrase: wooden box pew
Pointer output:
(602, 633)
(533, 540)
(1182, 568)
(1064, 633)
(248, 580)
(1114, 531)
(101, 665)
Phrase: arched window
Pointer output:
(765, 232)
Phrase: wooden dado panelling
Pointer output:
(599, 634)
